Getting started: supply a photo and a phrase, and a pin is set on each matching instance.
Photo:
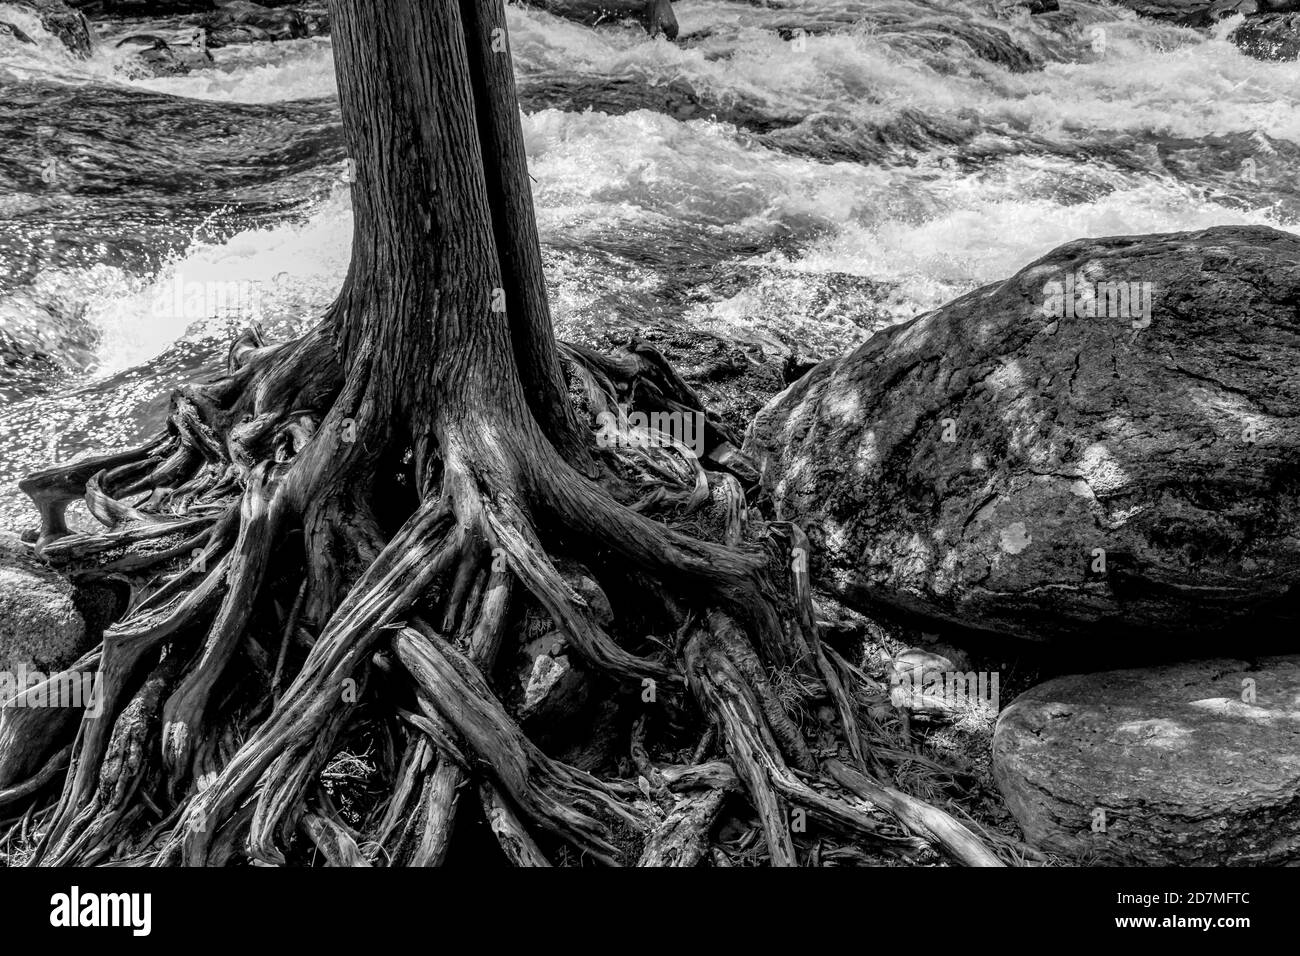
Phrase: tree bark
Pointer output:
(420, 449)
(445, 299)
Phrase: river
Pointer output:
(790, 178)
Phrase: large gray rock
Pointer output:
(41, 627)
(995, 466)
(1159, 766)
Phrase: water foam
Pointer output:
(281, 277)
(921, 225)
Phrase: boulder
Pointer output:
(152, 56)
(1190, 764)
(240, 21)
(1031, 461)
(46, 624)
(41, 627)
(59, 20)
(14, 33)
(1274, 36)
(659, 18)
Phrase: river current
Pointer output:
(790, 177)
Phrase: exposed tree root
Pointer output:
(337, 552)
(334, 841)
(301, 570)
(682, 837)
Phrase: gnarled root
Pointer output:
(302, 570)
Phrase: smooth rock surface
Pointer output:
(1159, 766)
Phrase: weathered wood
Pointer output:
(516, 843)
(753, 752)
(556, 797)
(426, 836)
(336, 843)
(682, 838)
(926, 821)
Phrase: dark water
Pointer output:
(788, 177)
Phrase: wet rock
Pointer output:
(655, 15)
(1192, 764)
(554, 689)
(1183, 12)
(618, 95)
(987, 42)
(242, 22)
(1032, 7)
(41, 626)
(46, 624)
(54, 16)
(1027, 461)
(1201, 13)
(15, 33)
(153, 56)
(1270, 37)
(659, 19)
(1226, 8)
(219, 22)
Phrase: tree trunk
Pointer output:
(356, 506)
(431, 302)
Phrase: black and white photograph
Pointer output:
(472, 435)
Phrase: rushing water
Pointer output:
(787, 176)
